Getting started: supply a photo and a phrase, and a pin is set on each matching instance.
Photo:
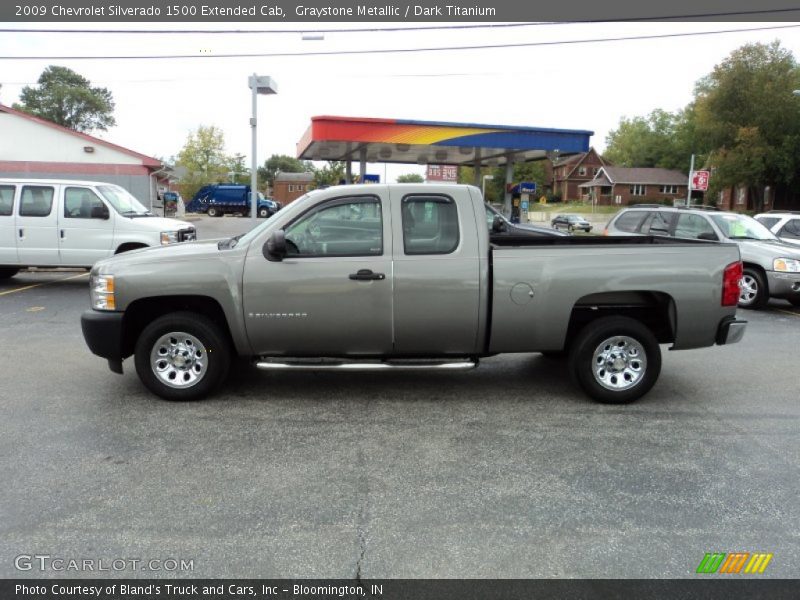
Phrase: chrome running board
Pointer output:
(356, 365)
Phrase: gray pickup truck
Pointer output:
(408, 277)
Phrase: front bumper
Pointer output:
(783, 285)
(103, 334)
(730, 330)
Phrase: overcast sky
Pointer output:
(572, 86)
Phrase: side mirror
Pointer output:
(100, 212)
(498, 224)
(274, 248)
(707, 235)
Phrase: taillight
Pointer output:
(731, 282)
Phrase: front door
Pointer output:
(36, 226)
(84, 235)
(332, 295)
(8, 233)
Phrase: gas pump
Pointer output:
(520, 201)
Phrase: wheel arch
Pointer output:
(143, 311)
(128, 246)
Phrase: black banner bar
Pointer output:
(412, 11)
(713, 588)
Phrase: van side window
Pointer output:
(342, 227)
(79, 202)
(36, 201)
(693, 226)
(430, 225)
(657, 223)
(6, 200)
(629, 221)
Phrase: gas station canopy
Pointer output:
(357, 139)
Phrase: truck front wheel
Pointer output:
(615, 360)
(182, 356)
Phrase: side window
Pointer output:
(36, 201)
(7, 200)
(791, 229)
(341, 227)
(657, 223)
(629, 221)
(430, 225)
(79, 202)
(692, 226)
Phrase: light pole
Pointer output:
(483, 185)
(258, 85)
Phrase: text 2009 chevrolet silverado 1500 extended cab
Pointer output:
(406, 276)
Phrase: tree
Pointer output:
(748, 119)
(203, 156)
(68, 99)
(410, 178)
(284, 164)
(237, 169)
(662, 139)
(330, 174)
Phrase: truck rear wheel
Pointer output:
(615, 360)
(214, 212)
(182, 356)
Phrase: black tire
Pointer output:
(213, 356)
(214, 212)
(8, 272)
(754, 294)
(263, 213)
(794, 301)
(638, 366)
(555, 354)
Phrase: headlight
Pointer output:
(169, 237)
(101, 290)
(787, 265)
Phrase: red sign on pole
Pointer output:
(700, 180)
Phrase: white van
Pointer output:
(63, 223)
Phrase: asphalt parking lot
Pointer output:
(503, 472)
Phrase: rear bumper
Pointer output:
(730, 330)
(103, 334)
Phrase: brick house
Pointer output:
(623, 185)
(568, 173)
(288, 187)
(32, 147)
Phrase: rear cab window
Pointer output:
(430, 224)
(629, 221)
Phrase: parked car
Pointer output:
(408, 281)
(571, 223)
(786, 225)
(502, 228)
(66, 223)
(219, 199)
(771, 267)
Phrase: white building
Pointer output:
(36, 148)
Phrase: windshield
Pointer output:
(121, 200)
(742, 227)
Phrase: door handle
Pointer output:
(21, 233)
(62, 234)
(366, 275)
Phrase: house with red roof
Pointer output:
(32, 147)
(625, 185)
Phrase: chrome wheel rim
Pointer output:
(749, 291)
(179, 360)
(619, 363)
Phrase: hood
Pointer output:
(207, 249)
(775, 249)
(159, 223)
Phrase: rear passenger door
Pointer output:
(36, 226)
(436, 275)
(8, 239)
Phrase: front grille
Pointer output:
(187, 235)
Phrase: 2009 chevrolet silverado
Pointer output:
(408, 277)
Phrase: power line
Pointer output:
(404, 50)
(682, 17)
